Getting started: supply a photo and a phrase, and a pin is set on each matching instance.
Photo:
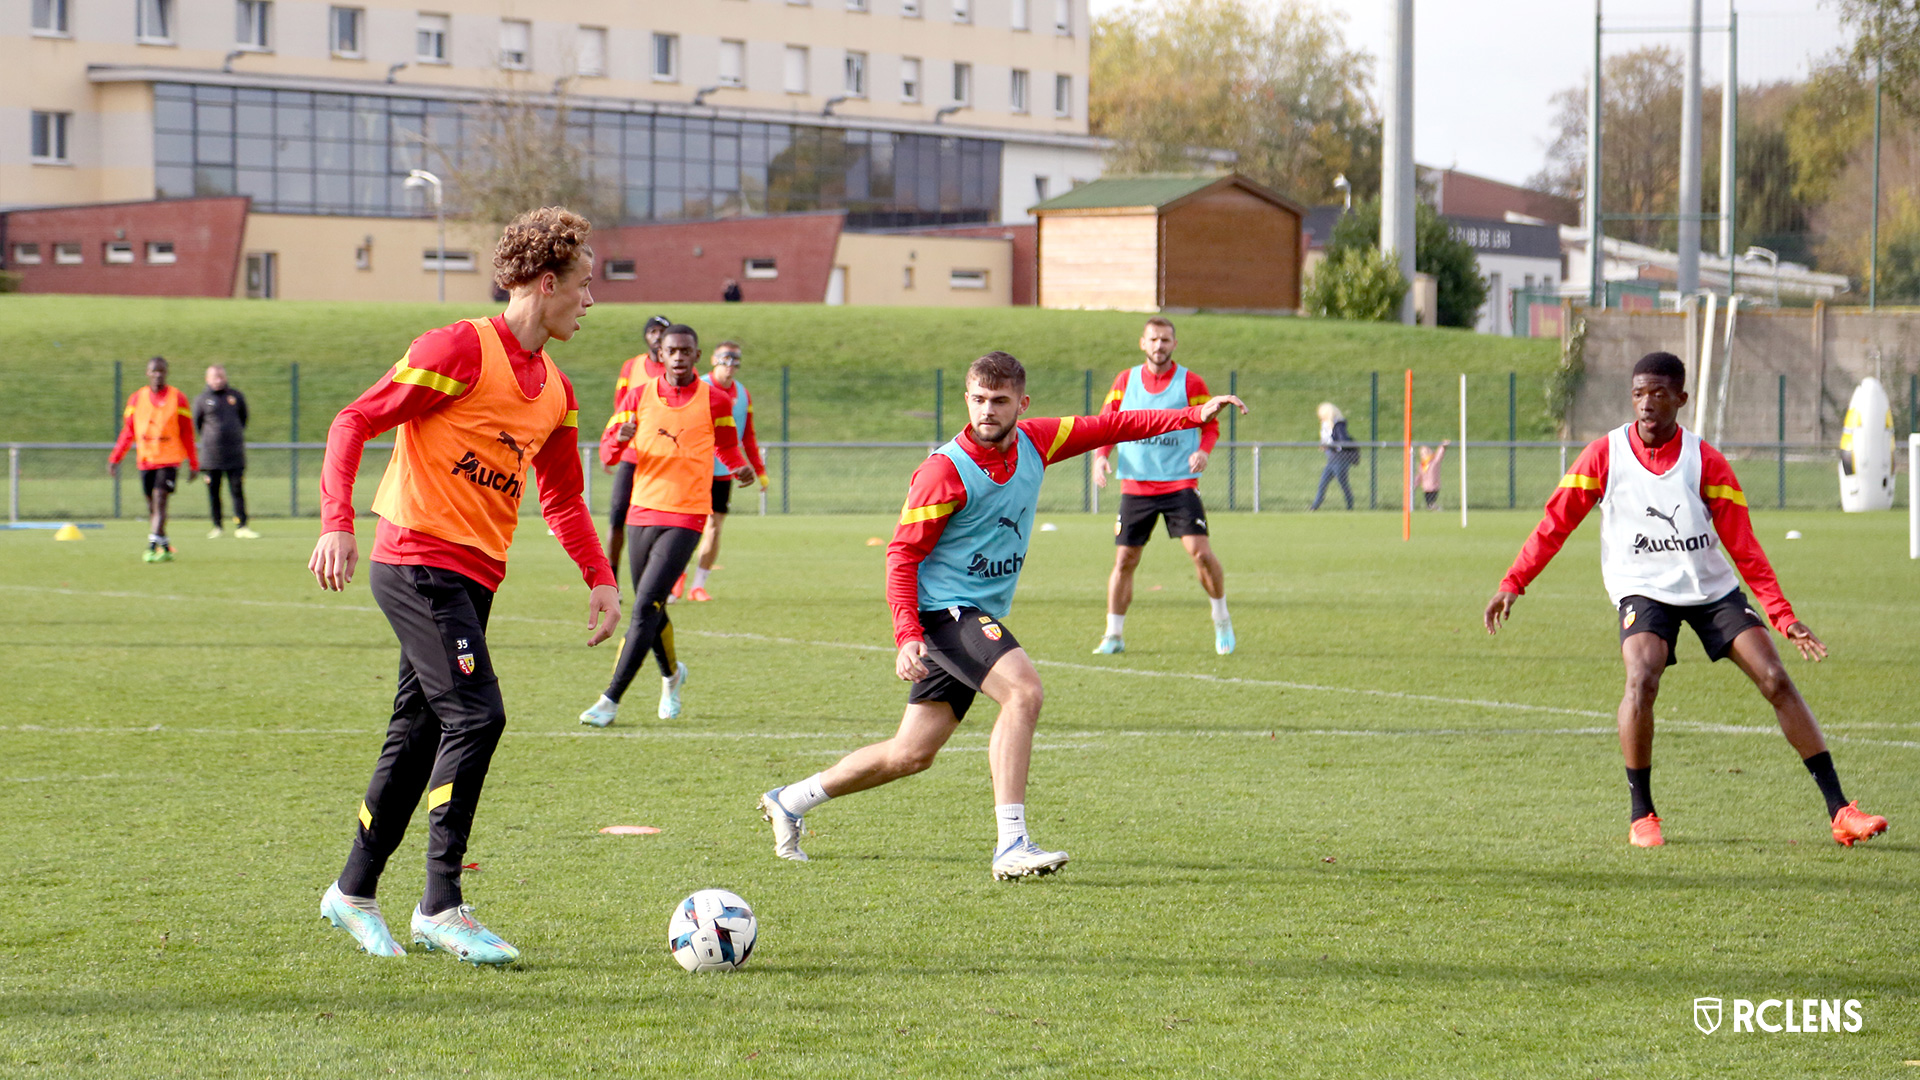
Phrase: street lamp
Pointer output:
(1773, 260)
(421, 178)
(1345, 188)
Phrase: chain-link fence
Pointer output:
(69, 481)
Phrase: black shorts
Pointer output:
(622, 495)
(166, 478)
(960, 651)
(722, 493)
(1185, 516)
(1716, 624)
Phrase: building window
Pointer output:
(1063, 17)
(262, 275)
(795, 80)
(117, 253)
(622, 270)
(967, 279)
(909, 9)
(909, 79)
(963, 11)
(1063, 95)
(430, 39)
(1040, 186)
(906, 277)
(343, 27)
(67, 254)
(153, 21)
(591, 58)
(856, 74)
(733, 63)
(1019, 18)
(516, 43)
(251, 24)
(50, 17)
(962, 84)
(1017, 91)
(856, 5)
(458, 262)
(50, 137)
(760, 270)
(26, 254)
(666, 57)
(161, 253)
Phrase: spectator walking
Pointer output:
(1337, 444)
(220, 424)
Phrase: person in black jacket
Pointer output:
(220, 425)
(1337, 444)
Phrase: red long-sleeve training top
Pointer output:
(1581, 489)
(936, 493)
(726, 441)
(454, 353)
(1154, 384)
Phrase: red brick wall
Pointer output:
(1476, 196)
(1026, 253)
(206, 235)
(691, 262)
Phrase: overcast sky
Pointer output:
(1485, 69)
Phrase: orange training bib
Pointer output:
(674, 471)
(156, 426)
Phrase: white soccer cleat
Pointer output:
(213, 534)
(602, 712)
(1024, 858)
(786, 828)
(670, 693)
(1109, 645)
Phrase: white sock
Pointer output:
(1012, 818)
(155, 538)
(607, 704)
(797, 799)
(1219, 608)
(700, 577)
(1116, 624)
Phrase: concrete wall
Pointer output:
(205, 233)
(1106, 261)
(916, 270)
(1024, 280)
(316, 258)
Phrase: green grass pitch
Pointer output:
(1373, 843)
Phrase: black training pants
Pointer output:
(657, 555)
(447, 719)
(235, 485)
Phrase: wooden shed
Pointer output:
(1170, 243)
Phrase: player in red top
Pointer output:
(160, 422)
(644, 366)
(1661, 561)
(1174, 495)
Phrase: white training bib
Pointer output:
(1656, 534)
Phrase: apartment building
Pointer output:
(901, 113)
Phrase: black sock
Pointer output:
(1640, 789)
(442, 893)
(1821, 766)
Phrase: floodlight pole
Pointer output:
(423, 178)
(1873, 230)
(1730, 147)
(1596, 258)
(1688, 275)
(1397, 234)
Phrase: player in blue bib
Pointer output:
(955, 559)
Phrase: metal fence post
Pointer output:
(786, 472)
(1256, 478)
(939, 400)
(1513, 435)
(586, 477)
(293, 453)
(1086, 460)
(1373, 451)
(13, 484)
(1780, 433)
(119, 401)
(1233, 436)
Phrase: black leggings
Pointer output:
(657, 555)
(234, 484)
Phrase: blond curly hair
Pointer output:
(550, 239)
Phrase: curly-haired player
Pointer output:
(475, 404)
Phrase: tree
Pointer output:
(1363, 284)
(1277, 88)
(1640, 128)
(1888, 32)
(521, 153)
(1461, 291)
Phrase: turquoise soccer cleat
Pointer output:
(456, 931)
(602, 712)
(1110, 645)
(1223, 638)
(362, 920)
(670, 693)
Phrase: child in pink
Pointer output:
(1430, 473)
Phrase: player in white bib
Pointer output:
(1671, 512)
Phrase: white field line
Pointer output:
(1224, 680)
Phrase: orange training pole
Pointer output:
(1406, 462)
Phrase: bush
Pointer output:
(9, 281)
(1356, 283)
(1460, 292)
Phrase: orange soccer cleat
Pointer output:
(1853, 823)
(680, 586)
(1646, 832)
(700, 595)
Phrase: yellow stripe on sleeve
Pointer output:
(617, 419)
(571, 418)
(432, 380)
(439, 797)
(1114, 395)
(723, 421)
(909, 515)
(188, 413)
(1584, 483)
(1728, 492)
(1060, 437)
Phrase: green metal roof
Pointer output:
(1155, 191)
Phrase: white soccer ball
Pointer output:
(712, 930)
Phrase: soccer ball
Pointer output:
(712, 930)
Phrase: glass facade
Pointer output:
(303, 152)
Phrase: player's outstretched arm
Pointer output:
(1812, 648)
(1214, 404)
(1498, 609)
(334, 557)
(603, 613)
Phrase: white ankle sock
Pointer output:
(1012, 818)
(1116, 624)
(700, 577)
(797, 799)
(1219, 608)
